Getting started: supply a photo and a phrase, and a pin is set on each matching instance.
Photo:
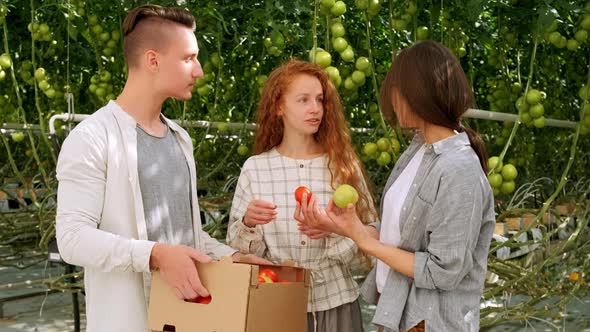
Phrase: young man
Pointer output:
(127, 201)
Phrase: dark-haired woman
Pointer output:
(437, 208)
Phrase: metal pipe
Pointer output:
(471, 113)
(498, 116)
(65, 117)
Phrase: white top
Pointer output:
(100, 221)
(392, 205)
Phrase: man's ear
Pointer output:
(151, 60)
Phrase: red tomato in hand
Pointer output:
(299, 193)
(204, 300)
(200, 299)
(270, 274)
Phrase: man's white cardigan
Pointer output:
(100, 218)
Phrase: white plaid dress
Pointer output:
(273, 177)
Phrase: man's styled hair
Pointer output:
(145, 26)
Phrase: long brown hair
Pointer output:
(343, 162)
(430, 78)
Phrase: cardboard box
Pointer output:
(513, 223)
(239, 303)
(527, 219)
(500, 228)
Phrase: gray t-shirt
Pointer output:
(165, 185)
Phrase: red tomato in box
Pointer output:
(204, 300)
(270, 274)
(299, 193)
(200, 299)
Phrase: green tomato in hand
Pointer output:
(345, 194)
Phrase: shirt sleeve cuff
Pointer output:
(249, 233)
(225, 251)
(421, 279)
(141, 251)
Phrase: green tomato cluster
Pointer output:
(530, 108)
(50, 90)
(381, 151)
(502, 177)
(458, 38)
(78, 7)
(5, 64)
(373, 7)
(508, 35)
(275, 43)
(101, 86)
(204, 85)
(260, 81)
(332, 7)
(339, 41)
(358, 76)
(501, 97)
(40, 31)
(108, 41)
(572, 42)
(25, 72)
(402, 17)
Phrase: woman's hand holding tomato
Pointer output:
(343, 222)
(306, 200)
(300, 191)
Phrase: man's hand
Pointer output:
(177, 268)
(249, 258)
(259, 213)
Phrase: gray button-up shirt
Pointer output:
(447, 220)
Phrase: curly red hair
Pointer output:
(343, 162)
